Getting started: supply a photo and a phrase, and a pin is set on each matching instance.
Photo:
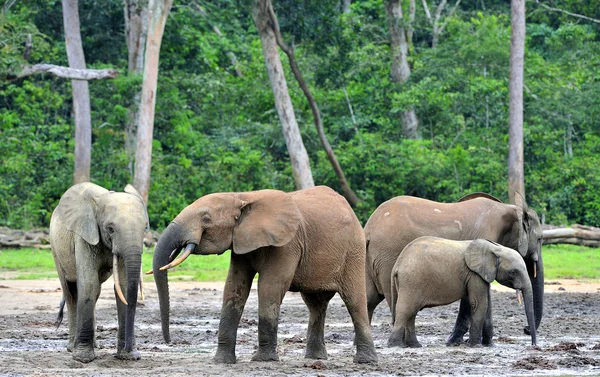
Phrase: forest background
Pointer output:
(216, 130)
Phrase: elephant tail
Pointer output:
(394, 296)
(61, 310)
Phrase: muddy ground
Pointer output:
(569, 338)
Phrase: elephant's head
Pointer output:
(530, 237)
(242, 222)
(116, 220)
(492, 262)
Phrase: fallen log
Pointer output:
(575, 235)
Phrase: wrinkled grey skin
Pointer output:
(400, 220)
(433, 271)
(307, 241)
(88, 227)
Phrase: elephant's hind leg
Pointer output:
(410, 335)
(354, 298)
(315, 340)
(70, 295)
(463, 321)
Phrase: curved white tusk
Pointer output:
(519, 295)
(534, 270)
(116, 279)
(188, 250)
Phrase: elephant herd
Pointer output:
(412, 252)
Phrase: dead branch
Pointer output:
(567, 12)
(350, 196)
(67, 73)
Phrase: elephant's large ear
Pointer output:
(522, 218)
(478, 195)
(481, 259)
(270, 218)
(131, 190)
(77, 210)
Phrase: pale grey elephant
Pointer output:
(434, 271)
(93, 233)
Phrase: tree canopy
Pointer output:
(215, 130)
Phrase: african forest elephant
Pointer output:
(434, 271)
(307, 241)
(402, 219)
(93, 233)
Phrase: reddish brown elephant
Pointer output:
(307, 241)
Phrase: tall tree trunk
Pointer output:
(400, 71)
(516, 181)
(136, 31)
(81, 94)
(158, 10)
(346, 6)
(283, 102)
(350, 195)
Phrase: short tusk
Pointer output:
(117, 280)
(188, 250)
(519, 296)
(534, 270)
(150, 272)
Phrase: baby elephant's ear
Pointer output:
(77, 210)
(269, 218)
(481, 259)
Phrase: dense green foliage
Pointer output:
(215, 131)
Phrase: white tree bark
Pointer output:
(283, 103)
(68, 73)
(516, 180)
(400, 71)
(136, 32)
(158, 11)
(81, 94)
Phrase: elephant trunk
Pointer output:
(529, 311)
(169, 240)
(132, 266)
(536, 276)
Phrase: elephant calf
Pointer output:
(93, 233)
(433, 271)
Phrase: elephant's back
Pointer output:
(62, 242)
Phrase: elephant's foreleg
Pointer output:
(87, 293)
(488, 325)
(235, 294)
(463, 320)
(478, 299)
(271, 289)
(70, 295)
(315, 340)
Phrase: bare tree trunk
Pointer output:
(400, 71)
(158, 11)
(350, 196)
(81, 94)
(283, 103)
(136, 31)
(437, 29)
(346, 6)
(516, 181)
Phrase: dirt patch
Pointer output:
(568, 338)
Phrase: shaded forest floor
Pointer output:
(569, 338)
